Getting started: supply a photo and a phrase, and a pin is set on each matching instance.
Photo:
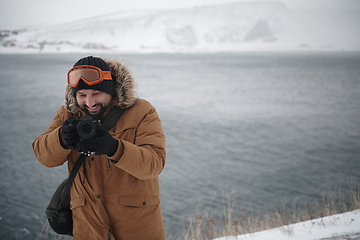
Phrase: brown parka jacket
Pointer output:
(114, 197)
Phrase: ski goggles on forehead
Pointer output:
(89, 74)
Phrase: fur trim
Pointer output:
(125, 87)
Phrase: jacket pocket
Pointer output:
(139, 201)
(77, 202)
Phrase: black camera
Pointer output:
(86, 127)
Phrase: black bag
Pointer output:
(58, 212)
(60, 219)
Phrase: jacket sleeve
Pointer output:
(146, 158)
(47, 147)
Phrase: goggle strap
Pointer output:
(106, 75)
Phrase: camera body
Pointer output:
(86, 127)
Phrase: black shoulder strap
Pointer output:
(112, 117)
(71, 178)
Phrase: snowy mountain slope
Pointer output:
(325, 21)
(227, 27)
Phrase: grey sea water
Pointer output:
(268, 128)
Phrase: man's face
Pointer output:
(93, 102)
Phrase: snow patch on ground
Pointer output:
(343, 226)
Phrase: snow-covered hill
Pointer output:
(249, 26)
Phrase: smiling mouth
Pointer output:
(94, 108)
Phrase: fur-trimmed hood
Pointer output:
(125, 87)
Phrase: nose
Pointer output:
(90, 101)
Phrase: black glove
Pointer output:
(69, 134)
(101, 143)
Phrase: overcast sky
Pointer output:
(22, 13)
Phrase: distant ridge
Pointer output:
(250, 26)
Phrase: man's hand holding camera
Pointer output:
(68, 133)
(99, 143)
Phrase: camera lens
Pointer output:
(86, 128)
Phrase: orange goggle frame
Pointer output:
(89, 74)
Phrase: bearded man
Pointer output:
(115, 194)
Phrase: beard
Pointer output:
(98, 115)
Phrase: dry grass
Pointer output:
(204, 226)
(47, 233)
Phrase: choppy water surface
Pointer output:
(265, 127)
